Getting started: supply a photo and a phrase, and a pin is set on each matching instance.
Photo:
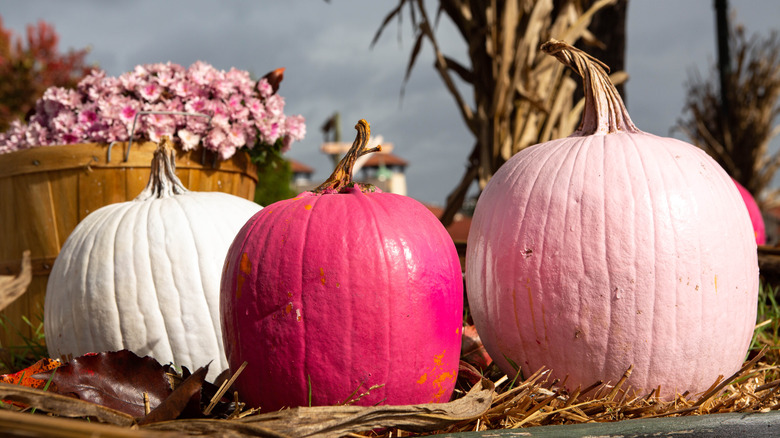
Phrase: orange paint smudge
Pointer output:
(322, 275)
(439, 386)
(244, 269)
(437, 360)
(288, 308)
(246, 265)
(307, 206)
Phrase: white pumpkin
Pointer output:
(144, 275)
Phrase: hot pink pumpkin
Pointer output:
(612, 248)
(343, 291)
(755, 213)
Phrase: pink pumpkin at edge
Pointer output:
(754, 212)
(343, 295)
(613, 250)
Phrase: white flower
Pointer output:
(188, 139)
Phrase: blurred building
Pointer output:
(301, 176)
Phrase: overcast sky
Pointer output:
(330, 66)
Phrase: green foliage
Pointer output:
(273, 177)
(767, 332)
(17, 357)
(29, 66)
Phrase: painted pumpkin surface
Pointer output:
(755, 213)
(610, 249)
(343, 295)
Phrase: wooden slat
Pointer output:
(33, 206)
(39, 266)
(64, 191)
(136, 182)
(100, 187)
(10, 248)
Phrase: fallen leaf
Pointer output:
(186, 395)
(468, 376)
(117, 380)
(61, 405)
(337, 421)
(472, 350)
(25, 376)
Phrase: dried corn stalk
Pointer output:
(521, 96)
(739, 138)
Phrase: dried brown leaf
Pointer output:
(187, 396)
(116, 379)
(337, 421)
(62, 405)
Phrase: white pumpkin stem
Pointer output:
(341, 178)
(163, 181)
(605, 112)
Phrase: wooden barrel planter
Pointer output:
(46, 191)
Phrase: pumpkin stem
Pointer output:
(341, 178)
(605, 112)
(163, 181)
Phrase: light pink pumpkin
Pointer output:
(610, 249)
(755, 213)
(344, 291)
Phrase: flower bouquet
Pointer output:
(221, 110)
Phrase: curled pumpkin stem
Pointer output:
(604, 112)
(162, 179)
(341, 177)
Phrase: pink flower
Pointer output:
(157, 132)
(275, 105)
(63, 121)
(215, 139)
(201, 73)
(150, 91)
(184, 89)
(128, 113)
(197, 105)
(196, 124)
(295, 127)
(224, 88)
(242, 113)
(221, 121)
(256, 108)
(87, 117)
(264, 88)
(269, 132)
(236, 137)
